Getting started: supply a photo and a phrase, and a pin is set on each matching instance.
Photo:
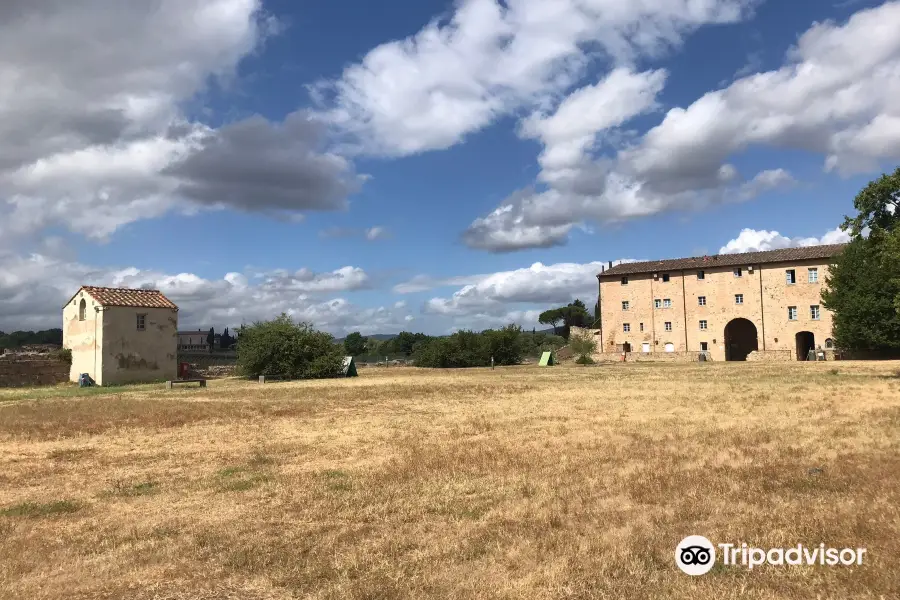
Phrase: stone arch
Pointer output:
(740, 339)
(806, 341)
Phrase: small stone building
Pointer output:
(120, 335)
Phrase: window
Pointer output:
(791, 276)
(814, 312)
(668, 325)
(738, 272)
(626, 327)
(829, 343)
(141, 322)
(813, 276)
(667, 303)
(625, 281)
(704, 346)
(738, 298)
(703, 325)
(657, 303)
(624, 304)
(665, 278)
(701, 274)
(642, 326)
(701, 300)
(792, 313)
(82, 310)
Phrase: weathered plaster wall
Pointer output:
(83, 338)
(130, 355)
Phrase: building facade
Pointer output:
(119, 335)
(193, 341)
(727, 306)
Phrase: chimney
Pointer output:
(610, 264)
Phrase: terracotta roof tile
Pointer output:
(129, 297)
(724, 260)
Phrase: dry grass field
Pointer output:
(564, 482)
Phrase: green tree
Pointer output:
(583, 346)
(862, 292)
(551, 317)
(877, 206)
(355, 344)
(574, 314)
(281, 347)
(863, 287)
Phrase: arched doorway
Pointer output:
(740, 339)
(806, 341)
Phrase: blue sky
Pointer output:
(379, 168)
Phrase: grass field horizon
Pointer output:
(522, 482)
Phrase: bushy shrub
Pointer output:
(64, 355)
(287, 349)
(583, 346)
(470, 349)
(584, 360)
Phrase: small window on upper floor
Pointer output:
(625, 305)
(814, 312)
(667, 303)
(668, 325)
(642, 326)
(701, 300)
(704, 325)
(82, 310)
(738, 272)
(790, 276)
(792, 313)
(701, 274)
(813, 275)
(626, 327)
(665, 278)
(738, 298)
(141, 322)
(657, 303)
(625, 280)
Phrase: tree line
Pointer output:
(17, 339)
(421, 348)
(296, 350)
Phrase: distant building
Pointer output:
(120, 335)
(193, 341)
(727, 305)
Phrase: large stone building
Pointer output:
(121, 335)
(726, 305)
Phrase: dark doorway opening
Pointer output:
(806, 341)
(740, 339)
(626, 347)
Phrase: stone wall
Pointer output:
(32, 370)
(771, 356)
(648, 357)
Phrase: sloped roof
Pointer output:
(725, 260)
(127, 297)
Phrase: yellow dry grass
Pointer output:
(564, 482)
